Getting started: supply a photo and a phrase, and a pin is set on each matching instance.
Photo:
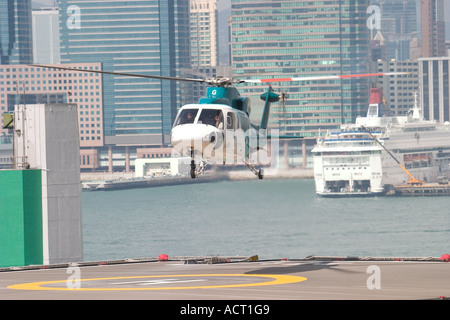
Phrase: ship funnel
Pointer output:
(375, 102)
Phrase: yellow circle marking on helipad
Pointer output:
(277, 280)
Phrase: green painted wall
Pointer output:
(20, 218)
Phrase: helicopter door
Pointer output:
(241, 137)
(245, 122)
(230, 138)
(231, 121)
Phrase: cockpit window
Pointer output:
(186, 116)
(231, 120)
(212, 117)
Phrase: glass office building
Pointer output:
(204, 33)
(434, 75)
(432, 28)
(16, 42)
(146, 37)
(398, 25)
(46, 36)
(280, 39)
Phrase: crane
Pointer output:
(412, 180)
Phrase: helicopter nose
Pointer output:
(197, 137)
(185, 135)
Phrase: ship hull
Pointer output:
(349, 194)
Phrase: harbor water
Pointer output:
(271, 218)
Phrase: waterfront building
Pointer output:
(15, 32)
(203, 25)
(24, 84)
(46, 36)
(434, 76)
(145, 37)
(399, 90)
(203, 32)
(398, 24)
(432, 28)
(282, 39)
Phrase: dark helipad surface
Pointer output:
(259, 280)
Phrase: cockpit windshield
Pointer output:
(186, 116)
(212, 117)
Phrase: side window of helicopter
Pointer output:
(186, 116)
(231, 120)
(245, 123)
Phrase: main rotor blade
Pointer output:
(118, 73)
(325, 77)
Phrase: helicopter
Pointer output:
(218, 129)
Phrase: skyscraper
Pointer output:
(203, 27)
(15, 32)
(434, 76)
(145, 37)
(46, 36)
(398, 26)
(399, 90)
(433, 28)
(273, 39)
(398, 17)
(20, 84)
(204, 32)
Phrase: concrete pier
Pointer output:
(429, 189)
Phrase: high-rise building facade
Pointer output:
(434, 76)
(24, 84)
(204, 37)
(433, 28)
(397, 17)
(46, 36)
(398, 22)
(204, 33)
(15, 32)
(145, 37)
(399, 90)
(278, 39)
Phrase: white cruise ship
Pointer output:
(349, 162)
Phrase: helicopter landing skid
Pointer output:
(259, 173)
(194, 172)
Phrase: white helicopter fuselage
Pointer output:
(210, 133)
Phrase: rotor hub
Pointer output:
(221, 81)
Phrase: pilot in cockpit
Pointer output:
(219, 120)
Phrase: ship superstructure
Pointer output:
(350, 162)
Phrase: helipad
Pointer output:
(161, 282)
(255, 280)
